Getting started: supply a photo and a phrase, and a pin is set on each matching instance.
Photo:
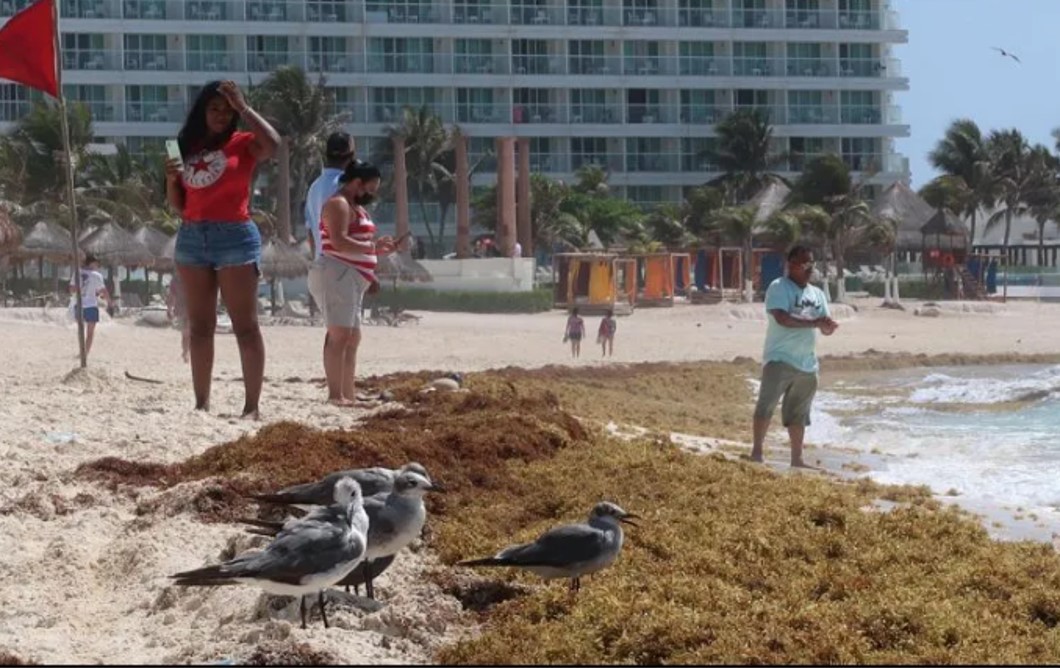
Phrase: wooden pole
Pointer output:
(68, 159)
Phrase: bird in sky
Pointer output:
(1006, 54)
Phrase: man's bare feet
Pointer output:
(756, 457)
(251, 415)
(799, 464)
(342, 402)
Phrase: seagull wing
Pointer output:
(305, 550)
(559, 547)
(1014, 57)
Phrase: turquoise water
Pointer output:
(938, 428)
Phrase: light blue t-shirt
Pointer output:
(791, 345)
(319, 193)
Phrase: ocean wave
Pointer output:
(945, 389)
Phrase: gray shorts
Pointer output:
(796, 387)
(338, 289)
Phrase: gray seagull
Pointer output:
(308, 554)
(373, 481)
(394, 520)
(1006, 54)
(569, 551)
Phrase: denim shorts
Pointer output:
(91, 313)
(218, 245)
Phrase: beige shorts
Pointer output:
(338, 289)
(796, 387)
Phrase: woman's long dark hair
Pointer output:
(360, 171)
(195, 136)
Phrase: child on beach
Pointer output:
(574, 333)
(605, 335)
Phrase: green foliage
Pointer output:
(429, 161)
(301, 111)
(744, 152)
(422, 299)
(823, 178)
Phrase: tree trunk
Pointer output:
(971, 239)
(463, 197)
(283, 220)
(1008, 260)
(1041, 245)
(426, 223)
(748, 272)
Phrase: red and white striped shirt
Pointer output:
(361, 228)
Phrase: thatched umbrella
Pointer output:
(909, 212)
(114, 247)
(155, 240)
(10, 235)
(281, 260)
(47, 240)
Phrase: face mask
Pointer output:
(364, 199)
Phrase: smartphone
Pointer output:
(173, 150)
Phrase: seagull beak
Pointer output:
(437, 487)
(627, 519)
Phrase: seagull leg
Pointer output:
(302, 607)
(368, 588)
(323, 613)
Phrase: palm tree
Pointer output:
(963, 153)
(698, 210)
(427, 141)
(1043, 199)
(744, 153)
(36, 147)
(665, 225)
(304, 115)
(1015, 172)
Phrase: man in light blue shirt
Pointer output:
(338, 153)
(796, 310)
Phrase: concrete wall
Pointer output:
(499, 274)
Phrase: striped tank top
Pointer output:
(361, 228)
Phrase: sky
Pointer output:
(954, 73)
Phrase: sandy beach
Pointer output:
(83, 575)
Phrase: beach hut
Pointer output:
(280, 260)
(594, 282)
(719, 269)
(661, 277)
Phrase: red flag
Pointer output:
(27, 48)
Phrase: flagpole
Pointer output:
(70, 195)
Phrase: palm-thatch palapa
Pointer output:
(156, 241)
(114, 247)
(281, 260)
(47, 240)
(400, 266)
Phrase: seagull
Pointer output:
(394, 521)
(308, 554)
(569, 551)
(1007, 54)
(373, 481)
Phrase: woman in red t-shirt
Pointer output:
(218, 246)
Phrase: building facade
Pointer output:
(632, 85)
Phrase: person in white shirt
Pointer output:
(517, 249)
(92, 286)
(338, 153)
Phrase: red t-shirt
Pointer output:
(217, 183)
